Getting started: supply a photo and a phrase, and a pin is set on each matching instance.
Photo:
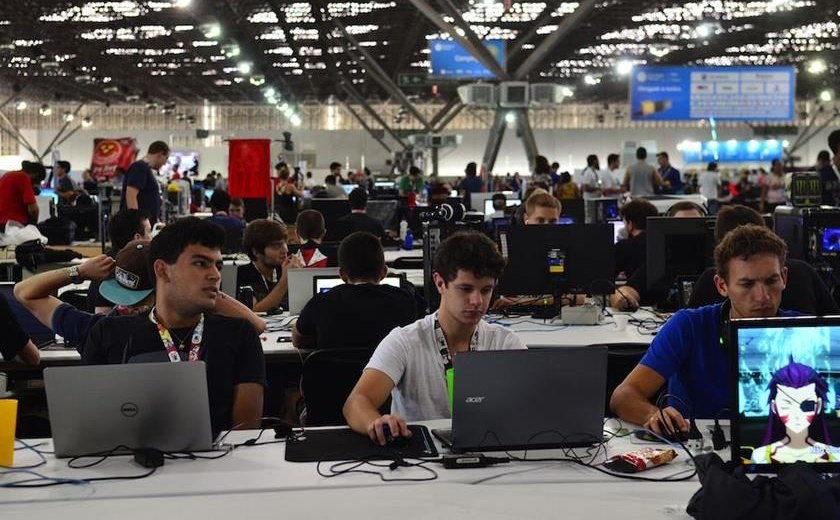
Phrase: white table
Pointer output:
(391, 255)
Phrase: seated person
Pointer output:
(237, 208)
(358, 219)
(361, 312)
(410, 363)
(220, 206)
(268, 273)
(125, 281)
(311, 230)
(686, 209)
(690, 351)
(805, 292)
(125, 226)
(334, 190)
(630, 252)
(186, 260)
(15, 344)
(499, 206)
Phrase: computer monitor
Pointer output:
(348, 188)
(322, 284)
(785, 375)
(678, 247)
(546, 258)
(489, 209)
(332, 210)
(477, 199)
(618, 227)
(573, 209)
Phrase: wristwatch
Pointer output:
(73, 271)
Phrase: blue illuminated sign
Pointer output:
(731, 151)
(724, 93)
(450, 60)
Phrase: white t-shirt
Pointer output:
(410, 356)
(708, 183)
(591, 177)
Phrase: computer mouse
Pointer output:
(391, 441)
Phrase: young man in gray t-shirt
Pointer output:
(410, 364)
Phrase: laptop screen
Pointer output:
(488, 205)
(325, 283)
(787, 372)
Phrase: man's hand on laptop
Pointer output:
(396, 426)
(674, 421)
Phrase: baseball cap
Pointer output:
(132, 281)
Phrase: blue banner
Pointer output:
(730, 151)
(724, 93)
(450, 60)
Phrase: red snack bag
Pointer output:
(640, 460)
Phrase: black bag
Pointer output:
(58, 230)
(30, 254)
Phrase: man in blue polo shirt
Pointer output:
(690, 352)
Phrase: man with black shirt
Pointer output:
(186, 261)
(65, 190)
(829, 170)
(265, 243)
(335, 170)
(630, 253)
(360, 312)
(141, 189)
(358, 220)
(220, 206)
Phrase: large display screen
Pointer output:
(450, 60)
(731, 151)
(724, 93)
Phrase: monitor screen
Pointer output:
(183, 163)
(831, 241)
(787, 372)
(618, 227)
(349, 187)
(324, 284)
(488, 205)
(388, 185)
(678, 247)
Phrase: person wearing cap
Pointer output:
(126, 281)
(186, 260)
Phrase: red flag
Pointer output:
(108, 154)
(249, 167)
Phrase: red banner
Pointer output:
(108, 154)
(249, 168)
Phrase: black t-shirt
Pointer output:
(356, 316)
(140, 176)
(805, 291)
(361, 222)
(230, 347)
(630, 254)
(249, 275)
(13, 338)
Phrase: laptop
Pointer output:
(785, 367)
(322, 284)
(94, 409)
(301, 287)
(527, 399)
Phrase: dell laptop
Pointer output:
(527, 399)
(95, 409)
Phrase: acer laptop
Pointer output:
(94, 409)
(301, 286)
(527, 399)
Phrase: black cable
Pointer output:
(337, 470)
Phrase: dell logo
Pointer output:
(474, 400)
(129, 409)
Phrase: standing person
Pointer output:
(567, 188)
(641, 179)
(411, 362)
(141, 189)
(612, 176)
(829, 170)
(412, 183)
(671, 178)
(287, 197)
(309, 182)
(709, 185)
(185, 258)
(335, 170)
(470, 184)
(773, 187)
(17, 197)
(542, 172)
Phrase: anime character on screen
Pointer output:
(796, 430)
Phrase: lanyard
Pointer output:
(444, 348)
(171, 349)
(265, 281)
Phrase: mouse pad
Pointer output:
(331, 444)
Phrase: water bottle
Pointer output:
(408, 241)
(403, 229)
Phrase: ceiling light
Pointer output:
(230, 50)
(510, 118)
(624, 67)
(68, 117)
(589, 79)
(211, 30)
(244, 67)
(704, 30)
(269, 92)
(826, 95)
(45, 110)
(817, 66)
(21, 105)
(86, 122)
(296, 121)
(183, 4)
(257, 80)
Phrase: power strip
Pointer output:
(581, 315)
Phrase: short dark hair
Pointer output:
(358, 198)
(468, 251)
(360, 256)
(414, 170)
(834, 142)
(279, 165)
(220, 201)
(637, 211)
(330, 179)
(174, 238)
(641, 152)
(730, 217)
(686, 205)
(237, 201)
(124, 225)
(712, 167)
(591, 159)
(65, 165)
(310, 224)
(541, 164)
(261, 232)
(555, 165)
(746, 241)
(334, 165)
(158, 147)
(663, 154)
(612, 158)
(824, 156)
(471, 170)
(499, 201)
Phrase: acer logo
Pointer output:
(474, 400)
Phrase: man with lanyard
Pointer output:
(186, 262)
(671, 179)
(690, 351)
(412, 363)
(265, 243)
